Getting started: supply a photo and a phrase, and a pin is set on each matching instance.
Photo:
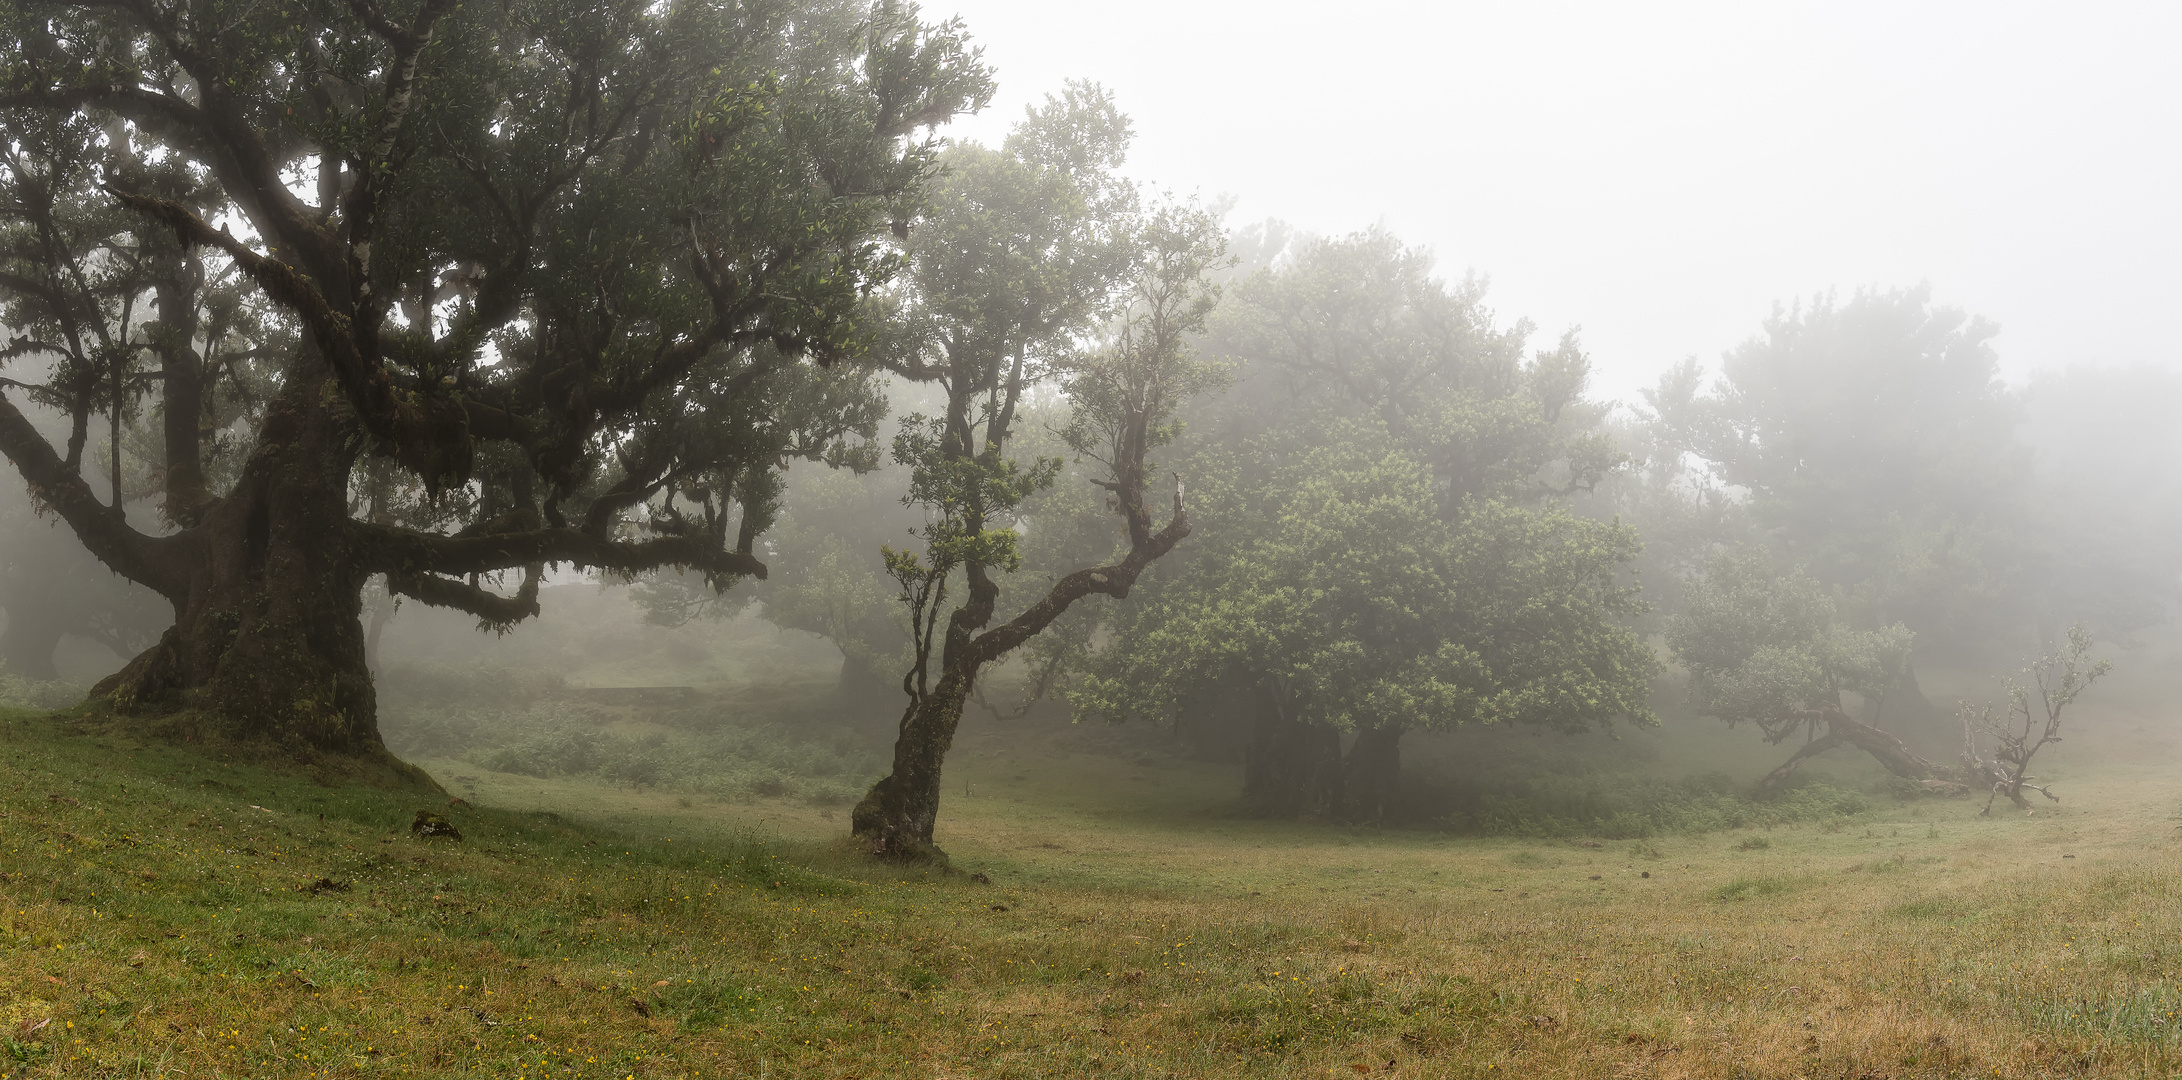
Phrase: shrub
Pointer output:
(23, 693)
(702, 749)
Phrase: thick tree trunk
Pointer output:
(268, 644)
(1292, 768)
(897, 815)
(1374, 772)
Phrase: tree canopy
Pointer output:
(1376, 557)
(463, 339)
(1879, 448)
(1765, 645)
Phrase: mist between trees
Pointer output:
(316, 318)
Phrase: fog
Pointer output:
(1661, 174)
(1181, 539)
(1832, 334)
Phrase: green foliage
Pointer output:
(1370, 549)
(1357, 327)
(1348, 587)
(959, 489)
(801, 754)
(1667, 494)
(1019, 254)
(1126, 390)
(1038, 263)
(18, 692)
(558, 268)
(1765, 646)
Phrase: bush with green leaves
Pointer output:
(19, 692)
(701, 749)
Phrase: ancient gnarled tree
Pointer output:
(447, 293)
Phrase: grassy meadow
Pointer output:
(170, 914)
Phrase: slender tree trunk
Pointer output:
(267, 643)
(1374, 772)
(897, 815)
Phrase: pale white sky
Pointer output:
(1661, 174)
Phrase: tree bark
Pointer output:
(268, 643)
(1841, 730)
(895, 818)
(1293, 767)
(1374, 772)
(1788, 768)
(1890, 752)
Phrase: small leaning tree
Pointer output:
(474, 290)
(1027, 250)
(1764, 646)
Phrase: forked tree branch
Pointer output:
(1114, 580)
(103, 530)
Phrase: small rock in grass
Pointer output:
(429, 824)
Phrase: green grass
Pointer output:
(160, 912)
